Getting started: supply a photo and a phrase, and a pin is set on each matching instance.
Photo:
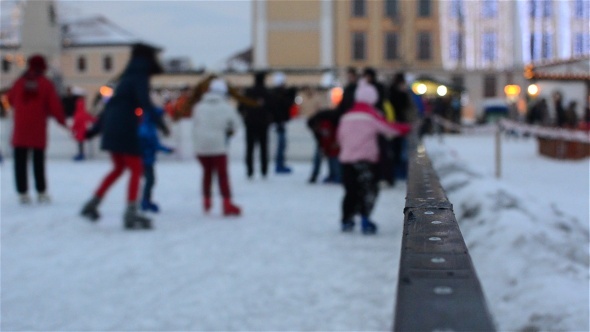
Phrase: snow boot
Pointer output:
(24, 199)
(368, 227)
(149, 206)
(90, 209)
(283, 170)
(347, 226)
(207, 204)
(229, 209)
(133, 220)
(43, 198)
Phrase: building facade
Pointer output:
(479, 45)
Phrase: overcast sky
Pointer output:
(208, 31)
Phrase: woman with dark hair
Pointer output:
(119, 123)
(34, 99)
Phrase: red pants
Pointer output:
(211, 165)
(120, 162)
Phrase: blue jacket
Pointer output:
(148, 139)
(120, 119)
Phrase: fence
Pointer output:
(438, 289)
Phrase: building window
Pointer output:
(424, 46)
(540, 8)
(391, 46)
(423, 8)
(489, 42)
(581, 44)
(5, 65)
(358, 46)
(582, 9)
(547, 46)
(81, 64)
(489, 86)
(107, 63)
(391, 9)
(489, 8)
(456, 45)
(359, 8)
(456, 10)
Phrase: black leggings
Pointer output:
(360, 183)
(21, 156)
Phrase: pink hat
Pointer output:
(365, 93)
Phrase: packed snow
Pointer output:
(284, 265)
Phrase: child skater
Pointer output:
(150, 145)
(359, 154)
(82, 120)
(214, 119)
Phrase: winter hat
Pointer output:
(37, 63)
(365, 93)
(218, 86)
(279, 78)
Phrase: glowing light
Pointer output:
(106, 91)
(512, 90)
(441, 90)
(419, 88)
(336, 95)
(138, 111)
(533, 90)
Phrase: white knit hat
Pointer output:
(279, 78)
(218, 86)
(366, 93)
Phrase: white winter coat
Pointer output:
(212, 118)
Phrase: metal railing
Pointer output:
(438, 289)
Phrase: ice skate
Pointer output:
(368, 227)
(347, 226)
(44, 198)
(90, 209)
(229, 209)
(133, 220)
(24, 199)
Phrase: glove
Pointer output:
(403, 128)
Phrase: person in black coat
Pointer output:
(282, 99)
(257, 119)
(348, 93)
(119, 125)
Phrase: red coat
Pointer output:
(33, 99)
(81, 120)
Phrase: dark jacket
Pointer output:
(347, 99)
(402, 104)
(120, 119)
(282, 100)
(256, 116)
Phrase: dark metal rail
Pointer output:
(438, 289)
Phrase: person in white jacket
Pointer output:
(214, 120)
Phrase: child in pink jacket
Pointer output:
(359, 154)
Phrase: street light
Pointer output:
(533, 90)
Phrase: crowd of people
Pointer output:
(361, 135)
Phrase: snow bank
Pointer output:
(531, 256)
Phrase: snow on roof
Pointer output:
(96, 30)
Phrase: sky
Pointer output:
(206, 31)
(284, 265)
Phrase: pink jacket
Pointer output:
(358, 131)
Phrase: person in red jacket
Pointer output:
(82, 120)
(34, 99)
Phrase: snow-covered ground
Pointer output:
(284, 265)
(527, 232)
